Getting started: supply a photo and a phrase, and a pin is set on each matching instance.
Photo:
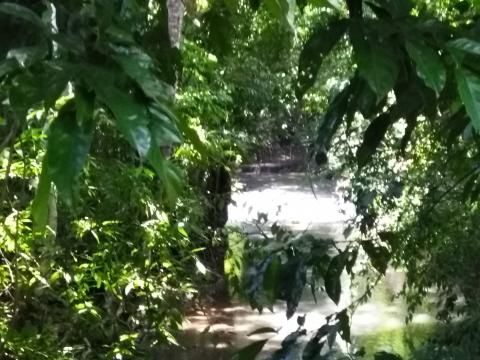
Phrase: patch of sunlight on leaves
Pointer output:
(402, 341)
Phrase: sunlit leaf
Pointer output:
(163, 127)
(429, 65)
(40, 203)
(140, 67)
(131, 117)
(462, 46)
(469, 90)
(67, 149)
(283, 10)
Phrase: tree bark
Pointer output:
(176, 11)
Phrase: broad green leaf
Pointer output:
(462, 46)
(169, 175)
(40, 202)
(290, 347)
(294, 278)
(130, 113)
(351, 260)
(283, 10)
(29, 55)
(319, 45)
(251, 351)
(372, 138)
(314, 346)
(376, 62)
(67, 150)
(131, 116)
(191, 135)
(396, 8)
(364, 99)
(429, 65)
(272, 280)
(469, 89)
(379, 255)
(140, 67)
(163, 126)
(29, 90)
(23, 13)
(344, 325)
(334, 4)
(333, 285)
(332, 120)
(262, 330)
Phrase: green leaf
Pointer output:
(67, 149)
(23, 13)
(372, 138)
(192, 136)
(334, 4)
(379, 255)
(40, 202)
(428, 64)
(461, 46)
(283, 10)
(29, 90)
(397, 9)
(333, 285)
(376, 61)
(469, 90)
(169, 175)
(251, 351)
(262, 330)
(131, 116)
(140, 67)
(319, 45)
(364, 98)
(344, 325)
(293, 281)
(332, 120)
(314, 346)
(272, 280)
(163, 126)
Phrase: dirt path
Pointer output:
(287, 199)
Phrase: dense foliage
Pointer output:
(117, 150)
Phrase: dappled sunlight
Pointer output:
(300, 206)
(288, 200)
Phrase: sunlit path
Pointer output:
(297, 202)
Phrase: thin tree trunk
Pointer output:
(176, 11)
